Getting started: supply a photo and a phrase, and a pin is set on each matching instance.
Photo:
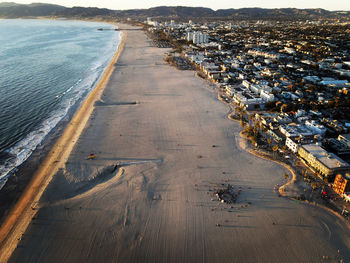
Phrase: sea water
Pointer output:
(46, 68)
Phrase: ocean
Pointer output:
(47, 68)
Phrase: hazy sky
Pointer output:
(214, 4)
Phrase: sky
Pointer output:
(216, 4)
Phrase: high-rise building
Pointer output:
(197, 37)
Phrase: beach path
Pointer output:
(173, 144)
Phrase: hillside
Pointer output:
(180, 12)
(13, 10)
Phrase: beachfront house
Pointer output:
(325, 163)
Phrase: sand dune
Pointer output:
(157, 206)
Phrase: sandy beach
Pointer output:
(174, 145)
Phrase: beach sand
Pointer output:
(171, 137)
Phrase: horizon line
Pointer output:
(145, 8)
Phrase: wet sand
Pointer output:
(161, 124)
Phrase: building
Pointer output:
(295, 130)
(246, 84)
(340, 185)
(249, 101)
(266, 96)
(315, 127)
(258, 53)
(151, 23)
(327, 164)
(345, 139)
(292, 145)
(341, 145)
(335, 83)
(197, 37)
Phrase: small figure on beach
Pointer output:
(116, 167)
(91, 156)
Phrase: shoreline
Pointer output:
(23, 211)
(175, 147)
(18, 179)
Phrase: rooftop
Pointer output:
(328, 159)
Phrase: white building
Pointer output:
(289, 50)
(295, 131)
(292, 145)
(197, 37)
(151, 23)
(335, 83)
(267, 96)
(196, 58)
(315, 127)
(246, 84)
(248, 101)
(257, 53)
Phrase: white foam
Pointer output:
(24, 148)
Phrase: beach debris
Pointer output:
(116, 167)
(91, 156)
(226, 194)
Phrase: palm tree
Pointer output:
(250, 117)
(305, 175)
(313, 186)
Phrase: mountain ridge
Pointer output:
(14, 10)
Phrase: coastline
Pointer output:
(175, 146)
(23, 173)
(23, 211)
